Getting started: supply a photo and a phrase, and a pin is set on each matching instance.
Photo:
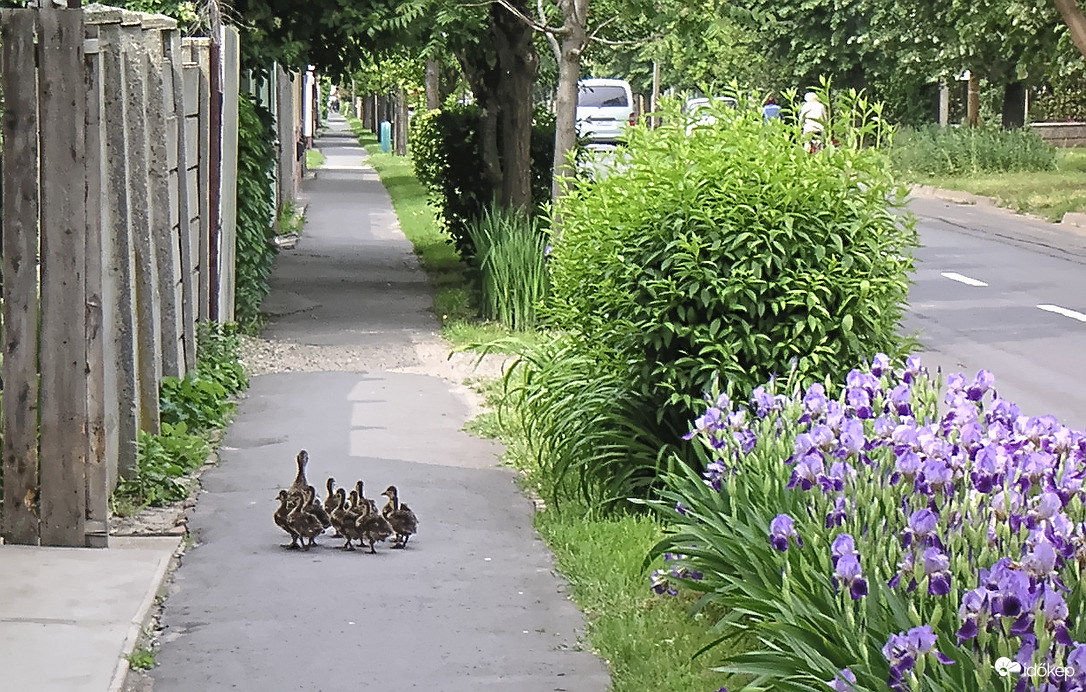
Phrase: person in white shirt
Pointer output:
(812, 118)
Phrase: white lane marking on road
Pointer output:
(1064, 311)
(961, 278)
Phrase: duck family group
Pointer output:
(354, 517)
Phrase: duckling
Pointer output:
(317, 509)
(339, 516)
(330, 501)
(371, 526)
(300, 483)
(302, 521)
(349, 518)
(286, 506)
(400, 517)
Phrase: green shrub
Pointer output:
(446, 151)
(164, 462)
(965, 150)
(256, 165)
(511, 255)
(199, 400)
(732, 253)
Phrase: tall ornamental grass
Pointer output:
(879, 539)
(935, 151)
(511, 255)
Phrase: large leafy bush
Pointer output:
(870, 538)
(729, 252)
(256, 165)
(446, 149)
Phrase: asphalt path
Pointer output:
(472, 604)
(1005, 293)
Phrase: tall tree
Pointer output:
(1075, 21)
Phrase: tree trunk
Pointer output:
(972, 104)
(518, 65)
(483, 78)
(574, 13)
(400, 121)
(1014, 106)
(1076, 22)
(433, 85)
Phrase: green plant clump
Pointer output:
(446, 148)
(968, 150)
(256, 165)
(190, 408)
(731, 253)
(511, 255)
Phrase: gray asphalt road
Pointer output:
(472, 604)
(1007, 294)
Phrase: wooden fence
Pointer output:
(110, 237)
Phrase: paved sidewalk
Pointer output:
(472, 604)
(69, 616)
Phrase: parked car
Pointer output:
(604, 108)
(700, 111)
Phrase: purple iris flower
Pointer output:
(843, 544)
(781, 529)
(903, 649)
(907, 466)
(680, 508)
(937, 568)
(955, 382)
(708, 421)
(880, 364)
(851, 438)
(972, 608)
(1008, 589)
(860, 401)
(838, 514)
(900, 399)
(921, 527)
(806, 471)
(848, 572)
(763, 402)
(661, 585)
(912, 368)
(814, 401)
(1055, 611)
(981, 384)
(905, 436)
(884, 428)
(844, 681)
(1004, 412)
(1041, 561)
(938, 476)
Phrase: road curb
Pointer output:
(144, 615)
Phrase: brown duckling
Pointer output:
(371, 526)
(331, 500)
(339, 516)
(286, 506)
(403, 521)
(303, 521)
(316, 508)
(349, 519)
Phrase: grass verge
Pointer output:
(648, 641)
(456, 301)
(314, 159)
(1049, 194)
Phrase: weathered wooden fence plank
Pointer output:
(160, 215)
(98, 448)
(201, 54)
(148, 328)
(184, 211)
(20, 288)
(119, 313)
(63, 354)
(229, 178)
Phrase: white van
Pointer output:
(604, 108)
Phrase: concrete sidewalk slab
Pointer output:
(70, 616)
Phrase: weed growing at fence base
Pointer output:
(191, 409)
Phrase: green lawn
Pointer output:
(1049, 194)
(314, 159)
